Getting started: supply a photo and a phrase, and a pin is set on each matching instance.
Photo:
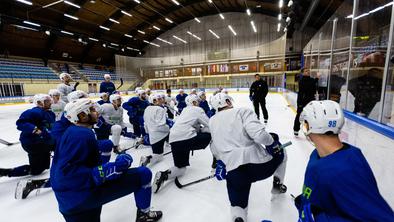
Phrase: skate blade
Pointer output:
(155, 187)
(19, 189)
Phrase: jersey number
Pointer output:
(332, 123)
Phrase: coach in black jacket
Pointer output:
(258, 92)
(307, 87)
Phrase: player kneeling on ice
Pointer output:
(111, 122)
(237, 136)
(82, 183)
(58, 105)
(189, 132)
(158, 128)
(339, 184)
(135, 109)
(35, 125)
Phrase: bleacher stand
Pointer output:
(95, 74)
(25, 69)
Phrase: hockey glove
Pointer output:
(124, 161)
(105, 172)
(170, 123)
(274, 148)
(220, 172)
(251, 98)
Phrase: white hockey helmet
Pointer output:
(114, 97)
(54, 92)
(147, 90)
(77, 94)
(200, 94)
(191, 98)
(181, 90)
(64, 74)
(220, 100)
(321, 117)
(74, 108)
(107, 76)
(193, 91)
(140, 92)
(224, 91)
(41, 98)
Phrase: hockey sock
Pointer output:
(144, 194)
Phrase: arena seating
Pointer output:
(25, 69)
(94, 74)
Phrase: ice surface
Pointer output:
(206, 201)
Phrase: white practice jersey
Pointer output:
(111, 115)
(155, 123)
(170, 101)
(189, 123)
(58, 109)
(64, 91)
(237, 136)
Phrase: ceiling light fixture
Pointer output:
(126, 13)
(210, 1)
(157, 28)
(47, 32)
(279, 25)
(175, 2)
(169, 20)
(114, 21)
(248, 12)
(72, 4)
(253, 26)
(24, 27)
(280, 17)
(65, 32)
(25, 2)
(213, 33)
(232, 30)
(32, 23)
(142, 32)
(127, 35)
(197, 20)
(176, 37)
(71, 17)
(114, 44)
(196, 37)
(221, 16)
(93, 39)
(280, 3)
(137, 1)
(165, 41)
(105, 28)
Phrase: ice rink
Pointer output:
(206, 201)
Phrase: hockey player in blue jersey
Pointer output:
(339, 184)
(83, 184)
(107, 86)
(237, 136)
(35, 125)
(135, 109)
(204, 103)
(180, 99)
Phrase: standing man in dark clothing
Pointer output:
(307, 87)
(107, 86)
(258, 92)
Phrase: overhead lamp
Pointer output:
(197, 20)
(280, 17)
(52, 4)
(114, 21)
(232, 30)
(210, 1)
(195, 36)
(104, 45)
(290, 3)
(176, 37)
(32, 23)
(114, 44)
(175, 2)
(72, 4)
(280, 3)
(288, 19)
(93, 39)
(137, 1)
(127, 35)
(258, 6)
(92, 1)
(253, 26)
(122, 49)
(79, 39)
(285, 29)
(126, 13)
(248, 12)
(25, 2)
(67, 33)
(71, 17)
(142, 32)
(165, 41)
(169, 20)
(214, 34)
(157, 28)
(105, 28)
(221, 16)
(349, 16)
(47, 32)
(279, 25)
(24, 27)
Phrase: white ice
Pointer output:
(206, 201)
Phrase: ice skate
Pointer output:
(238, 219)
(296, 133)
(150, 216)
(24, 188)
(145, 160)
(278, 187)
(160, 177)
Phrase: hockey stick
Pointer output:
(172, 109)
(121, 84)
(8, 143)
(180, 186)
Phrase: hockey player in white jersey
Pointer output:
(237, 136)
(170, 103)
(65, 87)
(158, 128)
(58, 105)
(189, 132)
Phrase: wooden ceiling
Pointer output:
(144, 16)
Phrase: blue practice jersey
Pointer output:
(101, 102)
(181, 101)
(107, 87)
(342, 187)
(35, 117)
(204, 105)
(135, 107)
(72, 165)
